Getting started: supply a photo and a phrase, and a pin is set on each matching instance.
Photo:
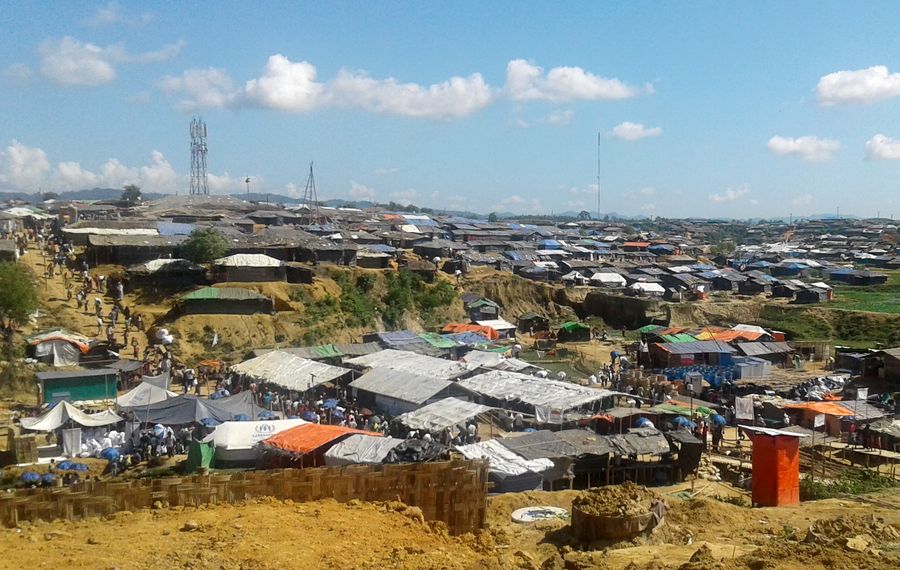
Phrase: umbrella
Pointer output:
(718, 420)
(643, 422)
(266, 415)
(79, 467)
(337, 414)
(330, 403)
(366, 412)
(241, 418)
(48, 478)
(209, 422)
(64, 465)
(308, 415)
(110, 454)
(681, 421)
(30, 477)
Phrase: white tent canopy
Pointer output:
(360, 448)
(63, 412)
(289, 371)
(442, 414)
(234, 441)
(248, 260)
(143, 394)
(612, 279)
(405, 361)
(503, 460)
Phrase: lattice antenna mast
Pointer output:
(199, 181)
(309, 197)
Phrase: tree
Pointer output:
(205, 245)
(584, 215)
(492, 217)
(49, 196)
(131, 193)
(18, 295)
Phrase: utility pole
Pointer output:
(247, 181)
(598, 175)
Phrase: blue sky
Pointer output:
(703, 108)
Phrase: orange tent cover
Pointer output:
(828, 408)
(307, 438)
(490, 333)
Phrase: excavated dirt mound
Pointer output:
(624, 500)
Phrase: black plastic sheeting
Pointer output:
(416, 451)
(188, 409)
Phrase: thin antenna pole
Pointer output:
(598, 175)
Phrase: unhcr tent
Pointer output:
(143, 394)
(64, 412)
(234, 441)
(442, 414)
(360, 448)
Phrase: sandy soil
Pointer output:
(266, 534)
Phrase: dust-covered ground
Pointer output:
(701, 533)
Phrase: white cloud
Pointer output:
(159, 174)
(71, 176)
(803, 200)
(629, 131)
(404, 197)
(454, 98)
(23, 167)
(866, 86)
(361, 191)
(809, 147)
(225, 183)
(294, 87)
(518, 204)
(292, 190)
(560, 118)
(648, 208)
(528, 82)
(202, 88)
(647, 191)
(112, 13)
(18, 73)
(730, 194)
(385, 170)
(882, 147)
(71, 62)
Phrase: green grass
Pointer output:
(850, 482)
(877, 299)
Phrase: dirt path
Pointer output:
(56, 311)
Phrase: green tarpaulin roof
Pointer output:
(572, 326)
(437, 340)
(681, 411)
(232, 293)
(681, 337)
(649, 328)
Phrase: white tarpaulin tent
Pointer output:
(248, 260)
(405, 361)
(442, 414)
(550, 398)
(143, 394)
(504, 461)
(63, 412)
(234, 441)
(160, 380)
(289, 371)
(360, 448)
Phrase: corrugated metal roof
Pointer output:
(405, 361)
(289, 371)
(698, 347)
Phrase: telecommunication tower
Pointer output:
(310, 200)
(199, 182)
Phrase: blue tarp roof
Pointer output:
(379, 247)
(549, 244)
(468, 338)
(174, 229)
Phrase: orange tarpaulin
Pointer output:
(829, 408)
(307, 438)
(728, 335)
(490, 333)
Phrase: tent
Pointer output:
(289, 371)
(160, 381)
(509, 471)
(59, 346)
(442, 414)
(307, 439)
(574, 332)
(234, 440)
(359, 448)
(186, 409)
(64, 412)
(143, 394)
